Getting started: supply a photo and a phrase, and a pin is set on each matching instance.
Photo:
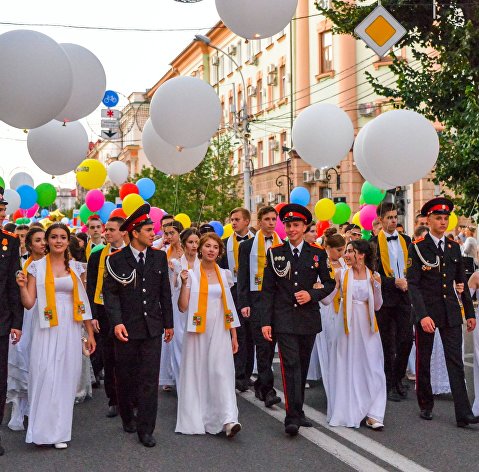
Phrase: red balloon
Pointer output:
(127, 189)
(279, 206)
(119, 212)
(17, 214)
(321, 226)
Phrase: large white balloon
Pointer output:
(57, 148)
(166, 158)
(35, 78)
(401, 146)
(13, 198)
(323, 135)
(185, 111)
(89, 82)
(255, 19)
(21, 178)
(118, 172)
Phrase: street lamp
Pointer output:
(289, 181)
(244, 123)
(338, 177)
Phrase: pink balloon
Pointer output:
(155, 215)
(94, 200)
(84, 229)
(32, 211)
(367, 215)
(280, 229)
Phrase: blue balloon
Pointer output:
(44, 213)
(300, 195)
(218, 227)
(146, 188)
(105, 211)
(28, 196)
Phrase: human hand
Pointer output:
(184, 277)
(471, 324)
(91, 344)
(234, 344)
(21, 279)
(95, 325)
(169, 333)
(401, 284)
(302, 297)
(246, 312)
(266, 330)
(121, 333)
(428, 325)
(15, 335)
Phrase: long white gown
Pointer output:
(55, 368)
(206, 397)
(357, 382)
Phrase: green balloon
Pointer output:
(2, 183)
(97, 248)
(371, 194)
(342, 213)
(47, 194)
(366, 234)
(361, 200)
(85, 213)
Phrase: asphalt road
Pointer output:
(407, 443)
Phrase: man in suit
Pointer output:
(252, 261)
(138, 304)
(394, 318)
(11, 310)
(435, 270)
(289, 307)
(95, 229)
(95, 277)
(244, 359)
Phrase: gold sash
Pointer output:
(383, 249)
(101, 274)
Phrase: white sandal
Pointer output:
(374, 424)
(61, 445)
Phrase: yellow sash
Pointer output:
(383, 248)
(27, 263)
(261, 262)
(199, 318)
(88, 249)
(337, 297)
(235, 253)
(50, 311)
(101, 273)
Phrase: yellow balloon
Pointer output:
(183, 219)
(355, 220)
(132, 202)
(227, 231)
(452, 221)
(46, 222)
(56, 215)
(91, 174)
(324, 209)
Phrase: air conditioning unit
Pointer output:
(272, 75)
(251, 91)
(215, 61)
(258, 199)
(320, 175)
(307, 176)
(323, 4)
(271, 197)
(232, 50)
(280, 198)
(366, 109)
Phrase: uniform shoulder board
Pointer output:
(277, 245)
(115, 252)
(13, 235)
(317, 245)
(418, 240)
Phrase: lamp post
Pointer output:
(338, 177)
(245, 132)
(289, 181)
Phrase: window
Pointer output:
(259, 152)
(249, 52)
(256, 46)
(239, 53)
(269, 41)
(240, 99)
(229, 65)
(249, 99)
(259, 95)
(282, 81)
(214, 71)
(325, 52)
(231, 110)
(271, 149)
(221, 68)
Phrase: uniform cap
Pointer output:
(437, 206)
(137, 219)
(295, 212)
(2, 200)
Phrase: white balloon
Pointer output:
(118, 172)
(89, 82)
(322, 135)
(13, 199)
(21, 178)
(166, 158)
(255, 19)
(35, 78)
(185, 111)
(57, 148)
(65, 220)
(401, 146)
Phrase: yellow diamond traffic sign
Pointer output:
(380, 30)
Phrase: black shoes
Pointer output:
(427, 414)
(401, 390)
(305, 422)
(112, 411)
(291, 429)
(394, 396)
(147, 440)
(241, 385)
(259, 395)
(469, 419)
(129, 427)
(271, 399)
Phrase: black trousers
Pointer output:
(452, 342)
(4, 340)
(395, 328)
(137, 375)
(108, 355)
(97, 357)
(295, 354)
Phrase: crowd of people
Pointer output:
(205, 316)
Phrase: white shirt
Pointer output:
(436, 240)
(298, 247)
(136, 253)
(393, 249)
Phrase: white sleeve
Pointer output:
(32, 269)
(229, 277)
(377, 294)
(188, 282)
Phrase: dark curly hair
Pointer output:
(29, 237)
(66, 254)
(185, 234)
(363, 247)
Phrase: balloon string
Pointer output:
(176, 194)
(473, 206)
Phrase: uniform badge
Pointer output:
(258, 280)
(409, 263)
(449, 246)
(4, 244)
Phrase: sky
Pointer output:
(133, 60)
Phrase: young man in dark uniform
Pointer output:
(137, 299)
(434, 268)
(394, 317)
(11, 310)
(289, 306)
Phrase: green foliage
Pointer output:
(207, 193)
(441, 81)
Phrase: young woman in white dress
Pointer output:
(54, 284)
(19, 354)
(357, 382)
(171, 234)
(206, 395)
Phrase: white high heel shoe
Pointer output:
(232, 429)
(61, 445)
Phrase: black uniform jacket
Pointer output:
(144, 307)
(11, 309)
(392, 296)
(97, 311)
(278, 306)
(431, 290)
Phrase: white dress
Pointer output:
(475, 337)
(439, 375)
(55, 369)
(206, 397)
(357, 382)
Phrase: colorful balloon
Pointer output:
(300, 195)
(279, 206)
(453, 220)
(32, 211)
(367, 215)
(280, 229)
(146, 188)
(324, 209)
(156, 214)
(85, 213)
(131, 203)
(127, 189)
(321, 226)
(94, 200)
(118, 212)
(2, 183)
(355, 220)
(341, 214)
(366, 234)
(228, 229)
(91, 174)
(183, 219)
(105, 211)
(28, 196)
(47, 194)
(218, 227)
(371, 194)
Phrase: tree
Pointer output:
(441, 82)
(207, 193)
